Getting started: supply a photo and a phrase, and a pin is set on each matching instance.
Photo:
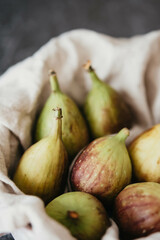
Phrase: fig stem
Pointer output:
(123, 134)
(58, 112)
(92, 72)
(72, 214)
(54, 81)
(57, 129)
(88, 66)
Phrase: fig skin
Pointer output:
(104, 108)
(43, 167)
(81, 213)
(145, 155)
(75, 134)
(103, 168)
(137, 209)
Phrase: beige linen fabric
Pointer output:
(132, 66)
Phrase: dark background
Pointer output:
(25, 25)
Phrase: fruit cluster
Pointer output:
(106, 179)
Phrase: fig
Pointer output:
(74, 129)
(82, 213)
(145, 155)
(43, 166)
(137, 209)
(103, 168)
(106, 103)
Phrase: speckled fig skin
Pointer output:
(137, 209)
(103, 168)
(106, 103)
(145, 155)
(75, 133)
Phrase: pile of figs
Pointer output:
(83, 170)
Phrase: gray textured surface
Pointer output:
(25, 25)
(7, 237)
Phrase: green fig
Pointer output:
(42, 168)
(137, 209)
(103, 168)
(74, 129)
(81, 213)
(145, 155)
(105, 110)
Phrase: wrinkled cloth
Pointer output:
(130, 65)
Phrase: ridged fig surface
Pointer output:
(74, 129)
(105, 110)
(81, 213)
(103, 168)
(137, 209)
(145, 155)
(43, 167)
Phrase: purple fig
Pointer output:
(103, 168)
(137, 209)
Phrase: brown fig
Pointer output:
(137, 209)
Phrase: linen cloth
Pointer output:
(130, 65)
